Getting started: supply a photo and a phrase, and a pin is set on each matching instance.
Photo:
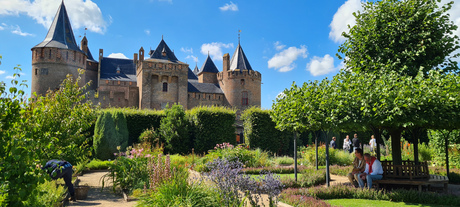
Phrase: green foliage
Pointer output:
(308, 177)
(149, 136)
(285, 160)
(34, 131)
(47, 194)
(178, 192)
(96, 164)
(340, 170)
(139, 120)
(437, 144)
(212, 125)
(454, 174)
(260, 132)
(273, 169)
(402, 36)
(110, 132)
(174, 130)
(336, 157)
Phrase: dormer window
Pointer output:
(163, 52)
(118, 69)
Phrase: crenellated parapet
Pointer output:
(238, 74)
(51, 55)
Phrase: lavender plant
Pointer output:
(230, 181)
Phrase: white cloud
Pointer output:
(147, 32)
(2, 72)
(321, 65)
(2, 28)
(82, 13)
(118, 55)
(195, 59)
(284, 60)
(9, 77)
(229, 7)
(215, 49)
(279, 46)
(17, 30)
(186, 50)
(342, 18)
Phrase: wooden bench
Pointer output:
(409, 173)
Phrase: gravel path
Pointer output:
(96, 197)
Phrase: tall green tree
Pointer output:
(403, 36)
(174, 130)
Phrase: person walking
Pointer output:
(333, 143)
(373, 171)
(372, 144)
(356, 142)
(347, 144)
(61, 169)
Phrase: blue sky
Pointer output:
(286, 41)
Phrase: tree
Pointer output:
(174, 130)
(111, 133)
(403, 36)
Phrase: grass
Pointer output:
(366, 203)
(281, 176)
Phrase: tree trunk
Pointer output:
(447, 154)
(295, 156)
(316, 148)
(415, 133)
(396, 145)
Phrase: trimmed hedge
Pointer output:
(211, 126)
(260, 132)
(140, 120)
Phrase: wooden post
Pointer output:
(327, 161)
(316, 146)
(447, 154)
(295, 156)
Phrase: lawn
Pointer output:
(281, 175)
(366, 203)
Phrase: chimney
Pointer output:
(226, 66)
(141, 54)
(135, 59)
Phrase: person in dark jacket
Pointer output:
(61, 169)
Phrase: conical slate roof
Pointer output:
(60, 34)
(191, 75)
(163, 47)
(208, 66)
(196, 70)
(239, 60)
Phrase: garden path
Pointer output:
(96, 197)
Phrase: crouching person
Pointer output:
(373, 171)
(358, 167)
(61, 169)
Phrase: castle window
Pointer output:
(50, 54)
(36, 71)
(74, 56)
(199, 96)
(242, 82)
(209, 97)
(244, 100)
(165, 87)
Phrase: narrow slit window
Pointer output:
(165, 87)
(244, 100)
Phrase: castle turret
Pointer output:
(240, 83)
(57, 56)
(208, 72)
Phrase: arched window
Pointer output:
(165, 87)
(244, 99)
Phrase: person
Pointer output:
(347, 144)
(356, 142)
(61, 169)
(373, 171)
(333, 143)
(372, 144)
(358, 167)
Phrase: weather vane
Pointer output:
(239, 31)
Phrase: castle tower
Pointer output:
(91, 68)
(208, 72)
(240, 83)
(162, 79)
(57, 56)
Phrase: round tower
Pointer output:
(240, 83)
(57, 56)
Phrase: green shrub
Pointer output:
(260, 132)
(285, 160)
(211, 125)
(178, 192)
(340, 170)
(96, 164)
(149, 136)
(47, 194)
(336, 157)
(140, 120)
(110, 132)
(174, 131)
(273, 169)
(307, 178)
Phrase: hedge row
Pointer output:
(260, 132)
(208, 126)
(211, 126)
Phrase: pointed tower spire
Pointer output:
(239, 60)
(60, 34)
(208, 66)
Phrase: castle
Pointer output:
(145, 82)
